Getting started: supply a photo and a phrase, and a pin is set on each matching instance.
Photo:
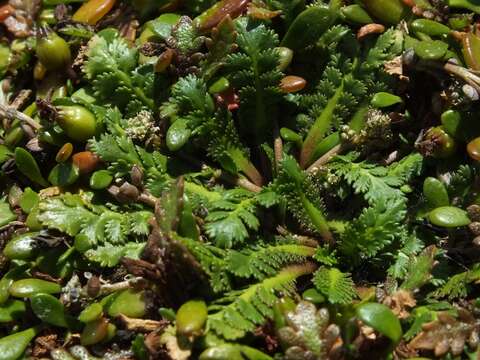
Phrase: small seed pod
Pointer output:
(473, 339)
(438, 143)
(408, 57)
(64, 153)
(473, 149)
(127, 193)
(474, 228)
(370, 29)
(292, 84)
(93, 11)
(52, 50)
(473, 212)
(476, 241)
(470, 92)
(136, 176)
(93, 286)
(285, 57)
(39, 71)
(86, 161)
(164, 61)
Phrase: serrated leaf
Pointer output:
(109, 255)
(337, 286)
(104, 228)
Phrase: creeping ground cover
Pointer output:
(239, 179)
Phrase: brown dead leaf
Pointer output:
(395, 67)
(448, 334)
(177, 350)
(21, 22)
(141, 325)
(370, 29)
(400, 302)
(43, 344)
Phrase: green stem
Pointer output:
(317, 218)
(249, 169)
(320, 127)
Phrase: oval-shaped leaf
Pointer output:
(382, 319)
(49, 309)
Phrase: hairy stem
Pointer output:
(464, 74)
(325, 158)
(240, 181)
(277, 144)
(318, 219)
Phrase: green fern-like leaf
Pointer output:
(373, 230)
(111, 65)
(121, 154)
(262, 261)
(110, 255)
(412, 246)
(461, 181)
(212, 261)
(231, 217)
(419, 269)
(109, 53)
(457, 285)
(97, 225)
(192, 106)
(387, 46)
(253, 71)
(248, 308)
(378, 183)
(337, 286)
(349, 79)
